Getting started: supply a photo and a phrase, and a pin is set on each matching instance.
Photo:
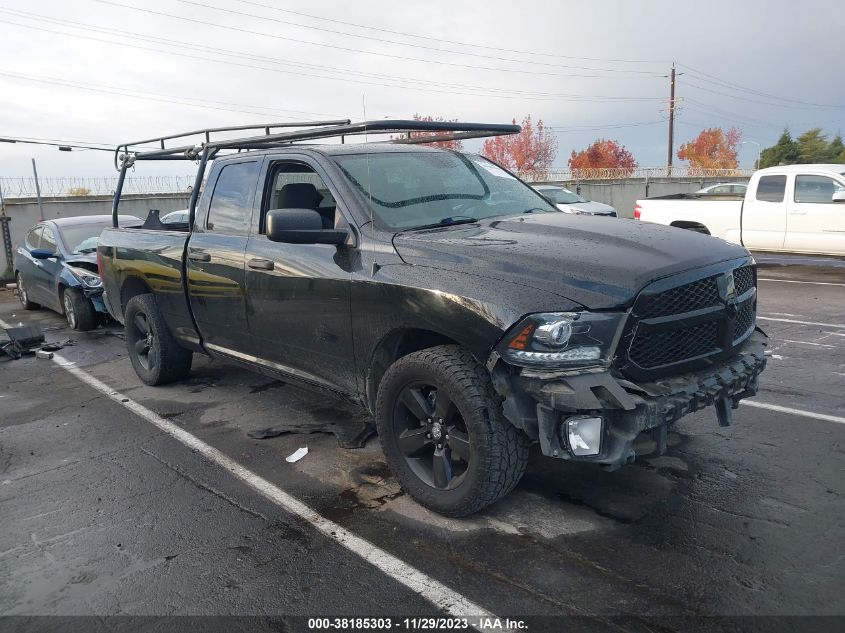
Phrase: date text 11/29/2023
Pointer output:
(428, 624)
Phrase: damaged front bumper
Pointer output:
(541, 402)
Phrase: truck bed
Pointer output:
(131, 258)
(718, 214)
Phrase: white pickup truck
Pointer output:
(795, 208)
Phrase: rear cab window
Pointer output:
(816, 189)
(230, 208)
(771, 188)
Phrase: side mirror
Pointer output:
(301, 226)
(42, 253)
(839, 196)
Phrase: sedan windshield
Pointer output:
(559, 195)
(424, 189)
(82, 238)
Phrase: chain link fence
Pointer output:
(56, 187)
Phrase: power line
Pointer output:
(386, 41)
(551, 96)
(332, 46)
(127, 92)
(54, 143)
(741, 98)
(228, 52)
(445, 41)
(702, 76)
(608, 126)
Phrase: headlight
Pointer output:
(562, 339)
(86, 277)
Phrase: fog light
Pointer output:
(584, 435)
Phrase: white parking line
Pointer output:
(438, 594)
(801, 412)
(793, 281)
(836, 325)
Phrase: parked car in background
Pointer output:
(570, 202)
(176, 217)
(794, 209)
(56, 267)
(736, 188)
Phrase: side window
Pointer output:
(48, 240)
(230, 208)
(298, 186)
(771, 188)
(33, 238)
(818, 189)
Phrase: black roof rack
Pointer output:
(314, 130)
(126, 154)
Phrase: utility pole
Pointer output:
(37, 190)
(671, 120)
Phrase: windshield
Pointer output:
(420, 189)
(559, 195)
(82, 238)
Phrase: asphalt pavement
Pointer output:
(109, 510)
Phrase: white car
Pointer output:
(792, 209)
(570, 202)
(730, 188)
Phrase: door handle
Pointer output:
(260, 264)
(198, 256)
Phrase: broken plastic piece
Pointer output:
(297, 455)
(724, 411)
(41, 353)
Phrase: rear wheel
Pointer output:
(156, 356)
(79, 311)
(23, 295)
(443, 434)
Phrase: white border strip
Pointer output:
(801, 412)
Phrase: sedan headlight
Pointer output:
(86, 277)
(562, 339)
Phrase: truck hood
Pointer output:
(589, 260)
(88, 261)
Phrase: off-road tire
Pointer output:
(500, 450)
(79, 311)
(172, 361)
(23, 295)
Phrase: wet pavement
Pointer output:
(104, 514)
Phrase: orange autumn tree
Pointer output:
(603, 154)
(532, 151)
(456, 144)
(713, 148)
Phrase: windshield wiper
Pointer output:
(450, 221)
(82, 251)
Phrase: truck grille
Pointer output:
(673, 329)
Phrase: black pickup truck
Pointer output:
(439, 291)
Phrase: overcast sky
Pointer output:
(105, 72)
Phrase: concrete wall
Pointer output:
(623, 194)
(24, 212)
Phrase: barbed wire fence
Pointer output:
(87, 186)
(608, 173)
(24, 187)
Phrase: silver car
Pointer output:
(570, 202)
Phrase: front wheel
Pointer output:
(443, 433)
(156, 356)
(79, 311)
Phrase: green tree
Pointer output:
(836, 150)
(813, 146)
(784, 152)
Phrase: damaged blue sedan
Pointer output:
(56, 267)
